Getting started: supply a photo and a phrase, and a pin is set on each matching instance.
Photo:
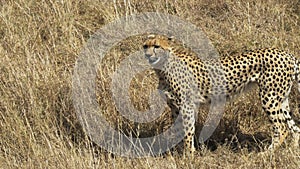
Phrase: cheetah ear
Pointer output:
(151, 36)
(171, 38)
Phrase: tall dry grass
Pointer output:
(41, 40)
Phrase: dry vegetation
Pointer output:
(41, 40)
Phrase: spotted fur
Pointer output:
(188, 80)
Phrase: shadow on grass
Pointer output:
(228, 135)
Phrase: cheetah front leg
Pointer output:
(188, 118)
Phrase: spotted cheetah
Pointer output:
(181, 71)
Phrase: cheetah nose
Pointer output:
(148, 55)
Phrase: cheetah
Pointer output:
(181, 71)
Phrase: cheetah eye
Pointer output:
(145, 46)
(156, 46)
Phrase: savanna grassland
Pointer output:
(40, 42)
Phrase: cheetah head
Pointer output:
(157, 49)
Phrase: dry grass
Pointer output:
(41, 40)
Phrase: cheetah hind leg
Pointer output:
(290, 122)
(296, 128)
(277, 119)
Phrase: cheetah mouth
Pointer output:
(153, 60)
